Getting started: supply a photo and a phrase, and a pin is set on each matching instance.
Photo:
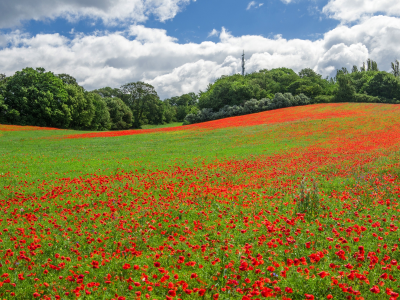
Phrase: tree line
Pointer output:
(40, 98)
(277, 88)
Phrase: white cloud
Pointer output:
(12, 12)
(254, 4)
(287, 1)
(151, 55)
(213, 32)
(353, 10)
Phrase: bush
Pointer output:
(249, 107)
(366, 98)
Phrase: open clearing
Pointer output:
(294, 203)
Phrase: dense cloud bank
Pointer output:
(111, 12)
(153, 56)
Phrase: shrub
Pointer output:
(251, 106)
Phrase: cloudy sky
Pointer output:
(180, 46)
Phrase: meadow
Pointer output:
(293, 203)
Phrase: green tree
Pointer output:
(108, 92)
(101, 120)
(346, 90)
(169, 112)
(120, 113)
(154, 111)
(138, 95)
(383, 84)
(372, 65)
(36, 97)
(396, 68)
(67, 79)
(81, 107)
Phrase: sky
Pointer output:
(180, 46)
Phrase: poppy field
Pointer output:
(295, 203)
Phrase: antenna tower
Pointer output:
(243, 63)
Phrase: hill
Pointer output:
(294, 203)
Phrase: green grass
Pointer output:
(321, 173)
(173, 124)
(28, 153)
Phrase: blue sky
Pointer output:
(302, 19)
(181, 46)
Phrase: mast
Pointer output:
(243, 63)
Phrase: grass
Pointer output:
(173, 124)
(292, 208)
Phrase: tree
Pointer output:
(81, 107)
(346, 90)
(137, 97)
(36, 97)
(309, 73)
(101, 119)
(383, 84)
(3, 109)
(363, 69)
(120, 114)
(372, 65)
(396, 68)
(154, 112)
(108, 92)
(67, 79)
(305, 86)
(354, 70)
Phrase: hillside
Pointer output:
(293, 203)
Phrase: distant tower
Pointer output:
(243, 64)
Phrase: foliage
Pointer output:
(67, 79)
(249, 107)
(180, 106)
(108, 92)
(384, 85)
(138, 96)
(36, 97)
(346, 90)
(101, 120)
(81, 107)
(120, 114)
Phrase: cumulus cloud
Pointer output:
(254, 4)
(12, 12)
(349, 11)
(151, 55)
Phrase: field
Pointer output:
(295, 203)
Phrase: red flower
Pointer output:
(375, 289)
(202, 292)
(323, 274)
(157, 264)
(36, 295)
(126, 266)
(288, 290)
(309, 297)
(172, 293)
